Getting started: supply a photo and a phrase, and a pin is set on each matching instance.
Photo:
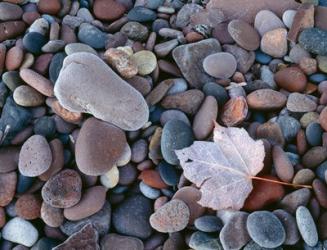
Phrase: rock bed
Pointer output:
(96, 96)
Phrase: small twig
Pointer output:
(280, 182)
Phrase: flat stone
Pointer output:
(135, 31)
(297, 102)
(201, 240)
(312, 40)
(234, 111)
(171, 217)
(244, 34)
(220, 65)
(295, 199)
(208, 223)
(159, 92)
(37, 81)
(288, 17)
(185, 13)
(283, 166)
(141, 14)
(248, 9)
(91, 202)
(304, 177)
(86, 238)
(217, 91)
(9, 159)
(108, 10)
(10, 11)
(306, 226)
(297, 53)
(265, 229)
(100, 221)
(79, 47)
(28, 206)
(266, 99)
(244, 58)
(51, 7)
(51, 216)
(234, 234)
(289, 126)
(292, 79)
(175, 135)
(11, 29)
(20, 231)
(272, 132)
(34, 41)
(266, 20)
(8, 182)
(274, 42)
(173, 114)
(91, 36)
(314, 157)
(131, 217)
(196, 53)
(26, 96)
(146, 62)
(98, 147)
(189, 101)
(111, 178)
(114, 241)
(112, 99)
(289, 223)
(35, 156)
(63, 190)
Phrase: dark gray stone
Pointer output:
(314, 40)
(141, 14)
(92, 36)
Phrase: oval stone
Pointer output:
(10, 11)
(34, 41)
(175, 135)
(99, 146)
(146, 62)
(292, 79)
(86, 84)
(266, 20)
(274, 42)
(266, 99)
(92, 201)
(306, 226)
(63, 190)
(297, 102)
(35, 156)
(220, 65)
(244, 34)
(27, 96)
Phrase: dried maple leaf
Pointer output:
(223, 169)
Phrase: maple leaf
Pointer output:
(223, 169)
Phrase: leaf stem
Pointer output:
(280, 182)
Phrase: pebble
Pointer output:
(175, 135)
(152, 178)
(37, 81)
(63, 190)
(45, 243)
(288, 17)
(265, 229)
(7, 187)
(146, 62)
(203, 120)
(33, 42)
(99, 146)
(131, 217)
(201, 240)
(51, 216)
(141, 14)
(289, 126)
(100, 221)
(191, 196)
(35, 156)
(220, 65)
(189, 101)
(313, 134)
(289, 223)
(114, 241)
(86, 238)
(173, 114)
(297, 102)
(111, 178)
(20, 231)
(108, 10)
(274, 42)
(171, 217)
(10, 11)
(163, 49)
(208, 224)
(14, 58)
(266, 20)
(320, 191)
(148, 191)
(24, 183)
(135, 31)
(194, 73)
(234, 111)
(314, 156)
(262, 58)
(49, 6)
(292, 79)
(295, 199)
(312, 40)
(216, 91)
(8, 159)
(91, 202)
(102, 102)
(28, 206)
(323, 119)
(322, 63)
(304, 177)
(234, 234)
(168, 173)
(282, 164)
(306, 226)
(11, 29)
(185, 13)
(266, 99)
(91, 36)
(308, 118)
(27, 96)
(72, 48)
(127, 174)
(244, 34)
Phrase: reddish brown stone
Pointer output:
(3, 50)
(30, 17)
(152, 178)
(108, 10)
(67, 34)
(191, 196)
(283, 166)
(301, 142)
(11, 29)
(323, 118)
(263, 194)
(68, 116)
(304, 18)
(37, 81)
(28, 206)
(51, 7)
(292, 79)
(51, 216)
(14, 58)
(8, 183)
(272, 132)
(234, 112)
(266, 99)
(41, 64)
(320, 191)
(193, 37)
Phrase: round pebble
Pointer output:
(274, 42)
(146, 62)
(291, 79)
(208, 224)
(306, 226)
(33, 42)
(220, 65)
